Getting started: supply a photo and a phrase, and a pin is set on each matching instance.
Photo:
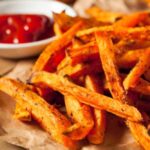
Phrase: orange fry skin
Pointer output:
(86, 96)
(96, 135)
(57, 30)
(141, 33)
(49, 118)
(43, 62)
(79, 114)
(142, 87)
(132, 20)
(140, 133)
(85, 53)
(108, 61)
(21, 112)
(130, 58)
(80, 69)
(133, 77)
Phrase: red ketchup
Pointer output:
(25, 28)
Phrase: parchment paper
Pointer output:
(30, 136)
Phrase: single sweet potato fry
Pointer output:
(49, 118)
(133, 77)
(95, 29)
(57, 30)
(141, 33)
(45, 61)
(108, 61)
(86, 96)
(140, 133)
(96, 135)
(131, 20)
(79, 114)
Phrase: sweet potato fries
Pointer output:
(98, 65)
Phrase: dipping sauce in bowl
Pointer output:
(25, 28)
(28, 37)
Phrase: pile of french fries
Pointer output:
(100, 65)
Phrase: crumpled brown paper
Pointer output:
(30, 135)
